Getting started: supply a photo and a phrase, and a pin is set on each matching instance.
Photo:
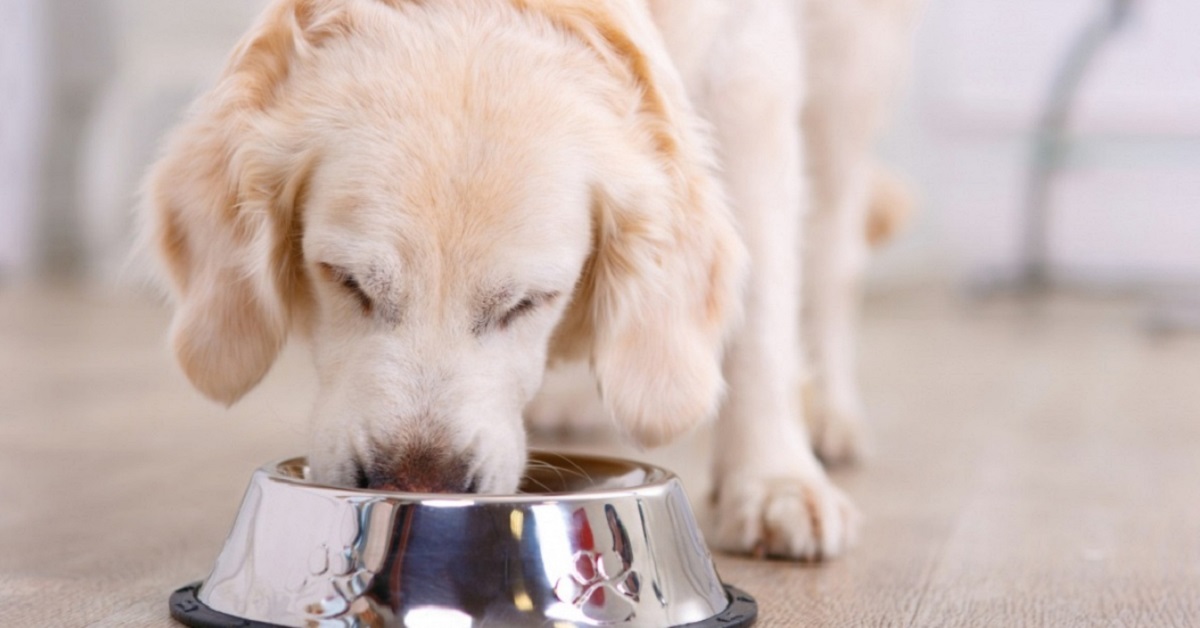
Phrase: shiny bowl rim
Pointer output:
(657, 480)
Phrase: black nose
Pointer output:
(421, 469)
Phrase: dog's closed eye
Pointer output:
(524, 306)
(496, 318)
(349, 284)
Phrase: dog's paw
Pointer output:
(798, 517)
(568, 403)
(838, 431)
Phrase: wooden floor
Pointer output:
(1031, 469)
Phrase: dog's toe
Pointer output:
(792, 517)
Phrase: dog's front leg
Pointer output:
(835, 259)
(857, 56)
(772, 495)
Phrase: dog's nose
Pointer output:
(421, 470)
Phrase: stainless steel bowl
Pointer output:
(590, 541)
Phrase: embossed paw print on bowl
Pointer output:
(610, 543)
(602, 591)
(602, 584)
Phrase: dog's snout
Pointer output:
(421, 469)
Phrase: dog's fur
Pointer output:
(443, 195)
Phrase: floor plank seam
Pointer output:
(934, 565)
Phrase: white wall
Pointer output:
(165, 52)
(22, 101)
(87, 89)
(1129, 208)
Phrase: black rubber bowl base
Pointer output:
(187, 609)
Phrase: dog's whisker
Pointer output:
(578, 470)
(545, 489)
(563, 472)
(545, 466)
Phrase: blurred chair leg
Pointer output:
(1051, 143)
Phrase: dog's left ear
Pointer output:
(221, 207)
(662, 288)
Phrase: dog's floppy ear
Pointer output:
(221, 213)
(662, 288)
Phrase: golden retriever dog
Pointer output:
(445, 196)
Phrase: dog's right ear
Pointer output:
(662, 289)
(221, 205)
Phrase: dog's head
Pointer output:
(440, 196)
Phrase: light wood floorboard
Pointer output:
(1036, 469)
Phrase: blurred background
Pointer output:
(88, 87)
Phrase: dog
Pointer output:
(445, 196)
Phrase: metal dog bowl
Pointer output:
(590, 542)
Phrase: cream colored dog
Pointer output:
(443, 195)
